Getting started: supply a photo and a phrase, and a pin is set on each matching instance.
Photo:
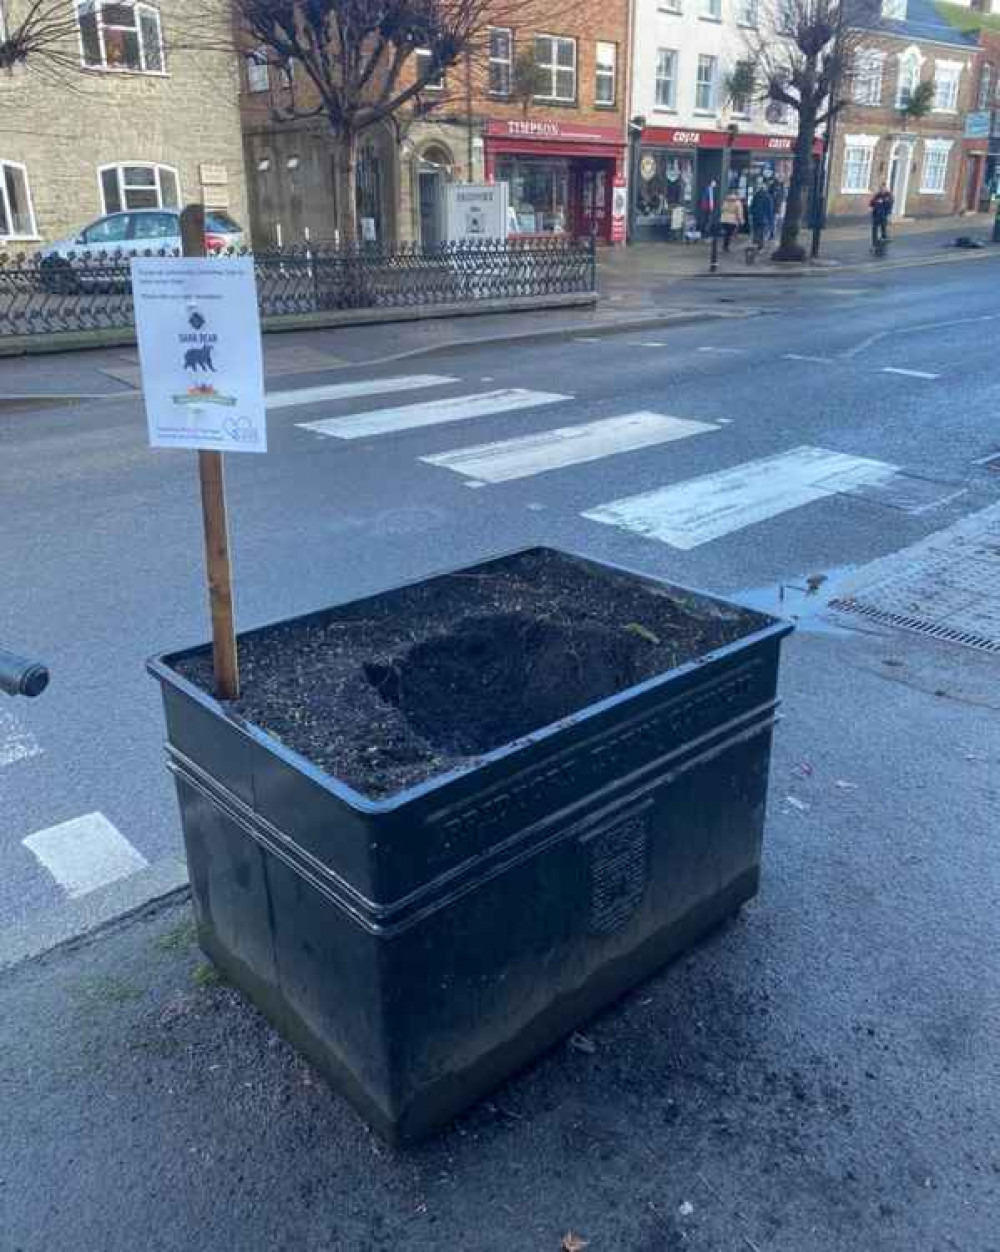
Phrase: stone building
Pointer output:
(561, 149)
(134, 117)
(876, 141)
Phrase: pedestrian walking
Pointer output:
(881, 206)
(761, 216)
(778, 198)
(732, 218)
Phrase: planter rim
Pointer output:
(160, 667)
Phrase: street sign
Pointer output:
(476, 211)
(199, 351)
(977, 125)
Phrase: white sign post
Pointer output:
(199, 348)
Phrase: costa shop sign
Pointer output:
(676, 137)
(543, 130)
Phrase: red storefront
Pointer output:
(562, 176)
(675, 164)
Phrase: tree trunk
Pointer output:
(790, 249)
(346, 171)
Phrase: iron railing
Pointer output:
(81, 292)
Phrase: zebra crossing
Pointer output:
(684, 515)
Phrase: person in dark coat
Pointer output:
(761, 216)
(881, 206)
(778, 197)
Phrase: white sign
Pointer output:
(198, 328)
(476, 211)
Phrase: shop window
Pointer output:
(604, 85)
(17, 217)
(138, 187)
(666, 189)
(539, 194)
(428, 70)
(712, 9)
(666, 78)
(985, 81)
(946, 79)
(120, 37)
(258, 75)
(867, 85)
(501, 60)
(859, 156)
(555, 61)
(934, 177)
(704, 92)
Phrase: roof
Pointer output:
(924, 21)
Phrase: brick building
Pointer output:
(561, 151)
(138, 120)
(982, 124)
(874, 141)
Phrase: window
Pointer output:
(894, 10)
(934, 178)
(555, 61)
(743, 77)
(909, 76)
(985, 81)
(539, 192)
(712, 9)
(859, 156)
(110, 230)
(669, 6)
(747, 12)
(425, 69)
(946, 79)
(704, 92)
(666, 79)
(139, 187)
(258, 74)
(787, 17)
(604, 86)
(868, 77)
(151, 226)
(120, 36)
(17, 217)
(501, 59)
(776, 112)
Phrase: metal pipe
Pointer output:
(20, 676)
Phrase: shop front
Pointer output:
(673, 166)
(561, 176)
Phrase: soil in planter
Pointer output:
(386, 692)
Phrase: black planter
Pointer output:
(422, 947)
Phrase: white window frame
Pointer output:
(670, 6)
(911, 62)
(748, 13)
(138, 9)
(492, 60)
(859, 143)
(120, 166)
(869, 71)
(552, 67)
(985, 84)
(258, 72)
(603, 74)
(711, 10)
(432, 84)
(947, 74)
(713, 84)
(935, 148)
(658, 78)
(8, 215)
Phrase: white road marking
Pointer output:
(698, 510)
(645, 343)
(17, 743)
(432, 413)
(351, 391)
(891, 369)
(567, 445)
(85, 853)
(727, 351)
(586, 339)
(816, 360)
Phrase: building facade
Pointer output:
(684, 113)
(139, 119)
(982, 128)
(878, 141)
(560, 146)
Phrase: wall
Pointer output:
(65, 123)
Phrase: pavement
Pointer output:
(820, 1074)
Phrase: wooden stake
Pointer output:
(213, 511)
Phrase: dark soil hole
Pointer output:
(499, 677)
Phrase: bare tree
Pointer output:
(357, 63)
(39, 34)
(805, 62)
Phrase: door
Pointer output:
(431, 207)
(595, 202)
(972, 183)
(899, 175)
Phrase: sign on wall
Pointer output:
(619, 209)
(977, 125)
(198, 331)
(476, 211)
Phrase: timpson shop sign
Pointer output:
(543, 130)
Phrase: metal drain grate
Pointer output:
(947, 586)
